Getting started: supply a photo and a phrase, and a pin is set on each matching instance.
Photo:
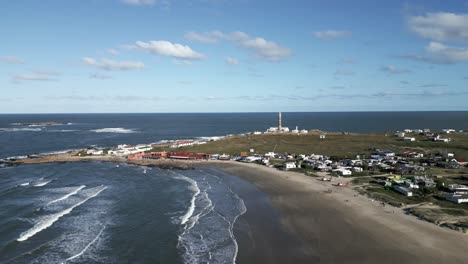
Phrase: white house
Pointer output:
(403, 190)
(257, 133)
(322, 136)
(343, 172)
(447, 155)
(400, 134)
(357, 169)
(290, 165)
(304, 131)
(94, 152)
(409, 139)
(296, 131)
(270, 154)
(408, 131)
(252, 158)
(448, 131)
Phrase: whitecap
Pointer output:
(67, 195)
(24, 184)
(21, 129)
(49, 220)
(114, 130)
(87, 246)
(41, 184)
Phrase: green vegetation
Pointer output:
(335, 145)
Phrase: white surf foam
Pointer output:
(67, 195)
(24, 184)
(49, 220)
(191, 209)
(114, 130)
(41, 184)
(87, 246)
(18, 129)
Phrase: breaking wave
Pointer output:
(20, 129)
(41, 184)
(87, 246)
(49, 220)
(67, 195)
(115, 130)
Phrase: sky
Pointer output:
(132, 56)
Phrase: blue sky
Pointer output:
(232, 56)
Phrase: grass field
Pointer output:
(337, 145)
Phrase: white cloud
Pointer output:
(231, 61)
(11, 60)
(139, 2)
(100, 76)
(113, 52)
(332, 34)
(441, 26)
(166, 48)
(31, 77)
(394, 70)
(266, 49)
(109, 65)
(441, 54)
(260, 47)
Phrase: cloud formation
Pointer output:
(439, 53)
(11, 60)
(231, 61)
(260, 47)
(332, 34)
(441, 26)
(32, 77)
(113, 52)
(168, 49)
(111, 65)
(394, 70)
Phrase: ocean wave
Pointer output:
(49, 220)
(87, 246)
(41, 184)
(208, 235)
(24, 184)
(67, 195)
(114, 130)
(20, 129)
(191, 209)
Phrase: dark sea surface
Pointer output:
(117, 213)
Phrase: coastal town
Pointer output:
(410, 177)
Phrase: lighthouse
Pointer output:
(279, 122)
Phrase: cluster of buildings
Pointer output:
(408, 134)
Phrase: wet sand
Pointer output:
(339, 227)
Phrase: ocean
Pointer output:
(99, 212)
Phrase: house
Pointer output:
(295, 131)
(322, 136)
(403, 190)
(343, 172)
(252, 158)
(257, 133)
(409, 139)
(408, 131)
(447, 155)
(357, 169)
(448, 131)
(270, 154)
(458, 188)
(400, 134)
(457, 198)
(304, 131)
(95, 152)
(290, 165)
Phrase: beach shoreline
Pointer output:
(321, 223)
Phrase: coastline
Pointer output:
(343, 227)
(316, 225)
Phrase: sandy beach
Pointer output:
(316, 222)
(343, 227)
